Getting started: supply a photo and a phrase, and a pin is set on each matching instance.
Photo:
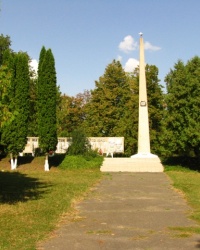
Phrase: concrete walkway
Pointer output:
(128, 211)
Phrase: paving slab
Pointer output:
(128, 211)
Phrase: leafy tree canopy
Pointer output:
(5, 44)
(182, 120)
(110, 108)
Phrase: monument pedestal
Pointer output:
(144, 155)
(137, 163)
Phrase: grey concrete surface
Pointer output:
(128, 211)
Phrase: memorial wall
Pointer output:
(104, 145)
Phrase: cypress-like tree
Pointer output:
(46, 103)
(32, 123)
(14, 129)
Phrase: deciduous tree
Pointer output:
(110, 110)
(5, 44)
(5, 77)
(71, 112)
(182, 120)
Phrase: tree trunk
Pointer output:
(13, 162)
(46, 165)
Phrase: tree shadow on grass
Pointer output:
(21, 160)
(17, 187)
(192, 163)
(56, 160)
(25, 159)
(198, 244)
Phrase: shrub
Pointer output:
(79, 161)
(80, 144)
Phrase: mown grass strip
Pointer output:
(32, 202)
(188, 181)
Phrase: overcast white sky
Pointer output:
(86, 35)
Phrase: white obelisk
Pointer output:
(143, 161)
(143, 123)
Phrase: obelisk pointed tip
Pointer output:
(141, 34)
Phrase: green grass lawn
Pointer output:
(33, 202)
(188, 182)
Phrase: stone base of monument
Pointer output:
(137, 163)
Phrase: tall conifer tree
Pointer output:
(46, 103)
(14, 130)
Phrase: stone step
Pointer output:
(132, 165)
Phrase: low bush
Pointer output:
(79, 161)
